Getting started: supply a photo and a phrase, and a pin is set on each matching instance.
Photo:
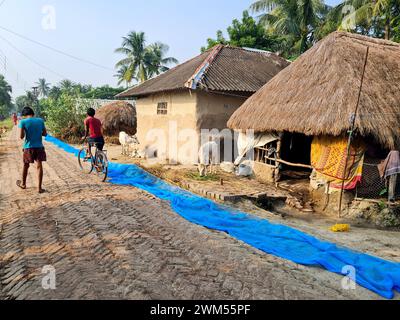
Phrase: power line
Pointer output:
(32, 60)
(56, 50)
(12, 72)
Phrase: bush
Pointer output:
(64, 117)
(6, 124)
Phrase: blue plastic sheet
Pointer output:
(378, 275)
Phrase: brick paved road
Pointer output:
(113, 242)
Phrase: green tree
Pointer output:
(377, 17)
(213, 42)
(43, 87)
(29, 100)
(134, 48)
(158, 62)
(141, 61)
(54, 92)
(247, 32)
(67, 86)
(396, 27)
(22, 102)
(64, 117)
(124, 76)
(104, 92)
(296, 20)
(5, 97)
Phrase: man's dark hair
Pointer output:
(27, 111)
(91, 112)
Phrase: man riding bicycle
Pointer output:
(93, 130)
(87, 160)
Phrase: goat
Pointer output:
(127, 142)
(209, 156)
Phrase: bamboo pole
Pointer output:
(291, 164)
(353, 123)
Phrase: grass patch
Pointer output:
(196, 176)
(6, 124)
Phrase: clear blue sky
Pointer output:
(92, 29)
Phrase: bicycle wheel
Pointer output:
(102, 165)
(85, 161)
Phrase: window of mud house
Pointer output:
(162, 108)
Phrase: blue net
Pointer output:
(378, 275)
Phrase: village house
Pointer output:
(199, 94)
(345, 85)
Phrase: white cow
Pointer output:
(127, 143)
(208, 156)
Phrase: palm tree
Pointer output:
(141, 62)
(294, 19)
(134, 48)
(158, 63)
(124, 75)
(67, 85)
(54, 93)
(31, 99)
(43, 87)
(377, 16)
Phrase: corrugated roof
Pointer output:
(223, 69)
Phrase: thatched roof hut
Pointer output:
(318, 93)
(116, 117)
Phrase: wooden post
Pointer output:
(353, 123)
(278, 155)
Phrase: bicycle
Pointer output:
(89, 162)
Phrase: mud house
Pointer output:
(197, 95)
(345, 85)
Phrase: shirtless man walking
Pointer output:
(32, 130)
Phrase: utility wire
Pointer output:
(32, 60)
(9, 70)
(56, 50)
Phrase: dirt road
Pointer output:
(111, 242)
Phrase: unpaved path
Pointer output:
(112, 242)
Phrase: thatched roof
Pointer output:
(116, 117)
(318, 93)
(222, 69)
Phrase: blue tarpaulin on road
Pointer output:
(378, 275)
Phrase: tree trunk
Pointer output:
(387, 30)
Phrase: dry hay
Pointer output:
(318, 93)
(116, 117)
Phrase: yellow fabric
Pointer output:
(328, 157)
(340, 228)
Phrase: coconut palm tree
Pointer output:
(377, 16)
(66, 85)
(141, 61)
(297, 20)
(43, 87)
(158, 63)
(124, 75)
(134, 48)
